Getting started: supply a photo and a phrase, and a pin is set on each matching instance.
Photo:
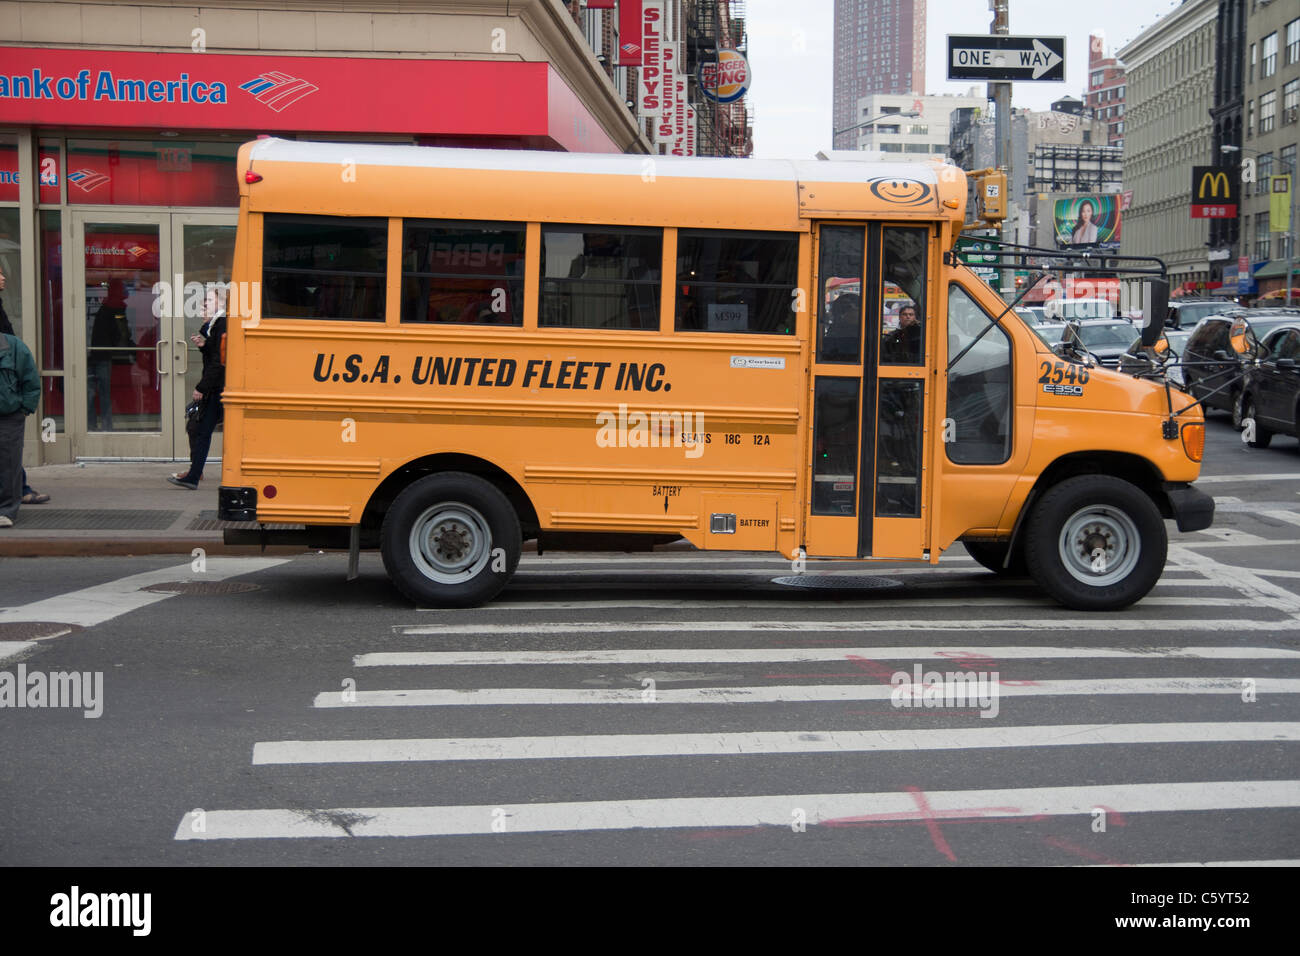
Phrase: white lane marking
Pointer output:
(1290, 517)
(102, 602)
(777, 693)
(1242, 580)
(760, 742)
(10, 649)
(779, 810)
(915, 602)
(957, 657)
(1239, 541)
(1098, 622)
(1271, 573)
(1223, 479)
(1227, 500)
(1232, 536)
(1206, 863)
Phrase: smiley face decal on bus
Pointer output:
(903, 192)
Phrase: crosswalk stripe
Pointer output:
(1067, 622)
(1206, 863)
(957, 656)
(929, 602)
(1290, 517)
(826, 809)
(103, 602)
(778, 693)
(761, 742)
(1223, 479)
(10, 649)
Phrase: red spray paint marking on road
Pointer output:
(975, 659)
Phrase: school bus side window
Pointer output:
(463, 272)
(601, 277)
(732, 281)
(324, 267)
(979, 385)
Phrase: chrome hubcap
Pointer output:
(1099, 545)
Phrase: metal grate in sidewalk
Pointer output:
(93, 519)
(208, 521)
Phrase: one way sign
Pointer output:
(1003, 58)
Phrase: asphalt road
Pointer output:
(671, 708)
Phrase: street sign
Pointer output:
(1003, 58)
(1243, 274)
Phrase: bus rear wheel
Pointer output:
(1096, 543)
(991, 555)
(451, 540)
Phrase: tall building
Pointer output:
(1272, 98)
(879, 48)
(1170, 77)
(1226, 114)
(1106, 87)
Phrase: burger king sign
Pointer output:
(725, 79)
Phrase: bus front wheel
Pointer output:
(1096, 543)
(451, 540)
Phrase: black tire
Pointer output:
(451, 540)
(1263, 437)
(991, 554)
(1111, 520)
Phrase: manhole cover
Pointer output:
(34, 630)
(839, 582)
(202, 587)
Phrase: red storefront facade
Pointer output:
(118, 193)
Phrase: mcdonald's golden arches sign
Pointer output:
(1214, 192)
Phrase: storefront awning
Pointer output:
(525, 104)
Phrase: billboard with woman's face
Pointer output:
(1088, 221)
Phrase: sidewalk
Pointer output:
(119, 508)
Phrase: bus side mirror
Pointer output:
(1155, 309)
(1242, 337)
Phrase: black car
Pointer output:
(1271, 393)
(1209, 362)
(1106, 339)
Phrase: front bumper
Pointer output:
(1193, 509)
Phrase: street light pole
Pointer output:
(909, 114)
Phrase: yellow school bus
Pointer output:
(446, 353)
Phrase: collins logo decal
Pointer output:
(87, 180)
(902, 192)
(278, 90)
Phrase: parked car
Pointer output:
(1212, 370)
(1185, 313)
(1271, 391)
(1049, 332)
(1134, 361)
(1106, 339)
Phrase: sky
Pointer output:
(790, 57)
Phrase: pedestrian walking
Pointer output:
(208, 391)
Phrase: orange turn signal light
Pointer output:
(1194, 440)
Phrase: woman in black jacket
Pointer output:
(207, 392)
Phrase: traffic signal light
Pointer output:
(991, 191)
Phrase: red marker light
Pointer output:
(251, 177)
(268, 491)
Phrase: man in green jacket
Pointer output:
(20, 390)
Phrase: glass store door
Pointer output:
(122, 334)
(134, 322)
(203, 247)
